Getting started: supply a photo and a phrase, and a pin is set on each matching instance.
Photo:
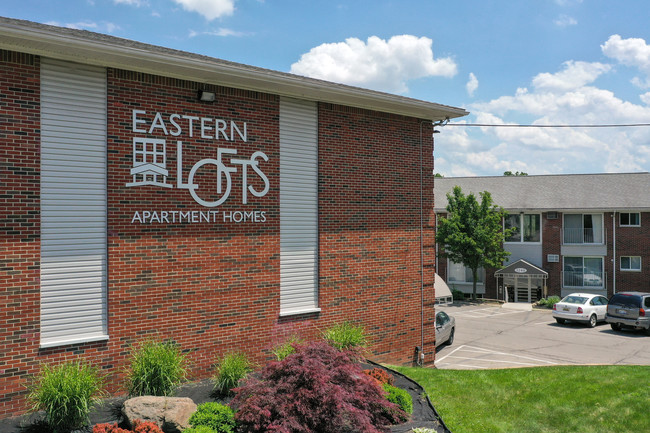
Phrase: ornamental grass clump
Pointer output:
(157, 368)
(232, 368)
(346, 336)
(285, 349)
(66, 393)
(317, 389)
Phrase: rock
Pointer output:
(171, 414)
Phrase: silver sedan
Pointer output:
(445, 328)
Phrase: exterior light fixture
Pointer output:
(206, 96)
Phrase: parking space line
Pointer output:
(489, 357)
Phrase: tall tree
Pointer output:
(472, 233)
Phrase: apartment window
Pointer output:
(527, 227)
(630, 263)
(630, 219)
(583, 229)
(459, 273)
(583, 272)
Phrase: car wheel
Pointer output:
(616, 326)
(450, 340)
(593, 321)
(560, 321)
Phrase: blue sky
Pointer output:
(547, 62)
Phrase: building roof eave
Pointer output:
(109, 51)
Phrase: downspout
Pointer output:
(614, 253)
(420, 354)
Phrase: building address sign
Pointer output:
(150, 167)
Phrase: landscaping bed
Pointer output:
(317, 386)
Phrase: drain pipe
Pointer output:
(614, 253)
(420, 352)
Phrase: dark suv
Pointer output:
(629, 310)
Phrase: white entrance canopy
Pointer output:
(443, 293)
(522, 277)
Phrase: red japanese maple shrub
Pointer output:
(317, 389)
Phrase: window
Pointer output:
(583, 272)
(630, 219)
(630, 263)
(459, 273)
(583, 228)
(528, 227)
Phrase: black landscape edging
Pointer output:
(416, 396)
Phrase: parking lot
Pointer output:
(489, 336)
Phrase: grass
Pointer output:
(67, 393)
(232, 368)
(577, 399)
(157, 368)
(346, 336)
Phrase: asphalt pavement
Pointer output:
(490, 336)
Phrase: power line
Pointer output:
(510, 125)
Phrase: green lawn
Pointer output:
(582, 399)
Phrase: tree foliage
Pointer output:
(472, 232)
(516, 173)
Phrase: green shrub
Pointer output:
(215, 417)
(552, 300)
(457, 295)
(400, 397)
(285, 349)
(230, 370)
(157, 368)
(346, 336)
(66, 392)
(199, 429)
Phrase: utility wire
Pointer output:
(625, 125)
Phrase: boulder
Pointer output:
(171, 414)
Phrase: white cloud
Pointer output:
(633, 52)
(566, 97)
(565, 3)
(210, 9)
(221, 32)
(378, 64)
(87, 25)
(136, 3)
(565, 21)
(472, 84)
(645, 98)
(574, 75)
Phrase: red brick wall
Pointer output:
(19, 224)
(214, 287)
(552, 244)
(370, 226)
(633, 241)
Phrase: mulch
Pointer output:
(109, 410)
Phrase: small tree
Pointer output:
(472, 233)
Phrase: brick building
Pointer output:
(581, 233)
(148, 192)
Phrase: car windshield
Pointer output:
(574, 299)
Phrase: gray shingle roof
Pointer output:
(604, 192)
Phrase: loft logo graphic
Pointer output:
(150, 160)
